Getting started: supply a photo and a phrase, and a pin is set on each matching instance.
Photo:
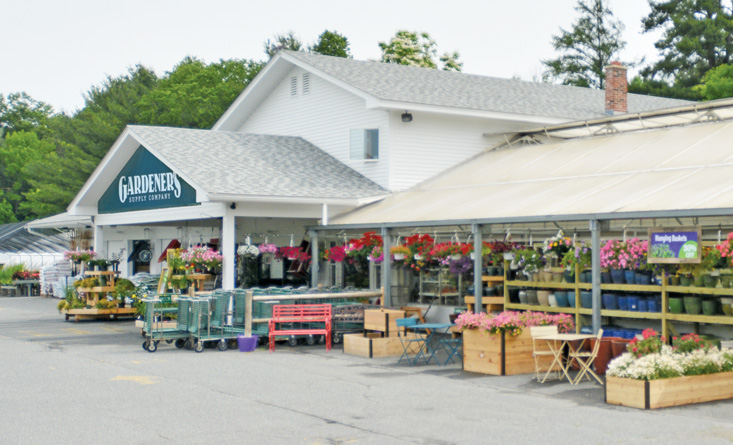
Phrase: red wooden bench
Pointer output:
(300, 313)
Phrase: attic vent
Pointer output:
(306, 83)
(293, 86)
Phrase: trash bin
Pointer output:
(247, 344)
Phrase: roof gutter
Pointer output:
(537, 219)
(353, 202)
(465, 112)
(697, 107)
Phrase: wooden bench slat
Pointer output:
(300, 313)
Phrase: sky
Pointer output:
(57, 50)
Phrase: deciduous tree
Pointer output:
(331, 43)
(288, 41)
(417, 49)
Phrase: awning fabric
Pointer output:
(679, 168)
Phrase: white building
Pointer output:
(310, 138)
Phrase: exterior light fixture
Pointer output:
(406, 117)
(233, 206)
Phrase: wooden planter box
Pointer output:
(500, 354)
(372, 345)
(382, 320)
(89, 314)
(664, 393)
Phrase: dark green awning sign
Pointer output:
(145, 183)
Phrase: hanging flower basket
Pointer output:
(248, 249)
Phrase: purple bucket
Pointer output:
(247, 344)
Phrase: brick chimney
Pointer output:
(616, 88)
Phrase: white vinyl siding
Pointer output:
(324, 118)
(433, 143)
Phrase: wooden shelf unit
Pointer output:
(433, 288)
(664, 316)
(92, 293)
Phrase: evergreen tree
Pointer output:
(585, 50)
(698, 36)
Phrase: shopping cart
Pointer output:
(153, 327)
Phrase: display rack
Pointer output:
(92, 295)
(581, 314)
(433, 283)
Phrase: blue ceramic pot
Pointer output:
(630, 276)
(562, 298)
(623, 303)
(569, 276)
(585, 277)
(571, 299)
(633, 302)
(653, 306)
(643, 305)
(643, 279)
(610, 301)
(605, 277)
(586, 299)
(617, 276)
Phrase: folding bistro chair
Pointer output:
(452, 347)
(542, 354)
(410, 345)
(585, 360)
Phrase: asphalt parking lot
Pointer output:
(91, 382)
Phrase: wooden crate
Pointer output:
(664, 393)
(373, 345)
(500, 354)
(382, 320)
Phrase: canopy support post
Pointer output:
(386, 268)
(595, 228)
(315, 263)
(478, 285)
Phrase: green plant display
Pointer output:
(7, 273)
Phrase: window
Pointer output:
(293, 86)
(306, 83)
(364, 144)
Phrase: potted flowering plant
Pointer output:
(399, 252)
(419, 245)
(267, 248)
(357, 250)
(79, 256)
(202, 257)
(653, 375)
(450, 251)
(376, 255)
(557, 246)
(501, 344)
(580, 255)
(622, 259)
(337, 254)
(529, 261)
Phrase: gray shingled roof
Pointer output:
(257, 165)
(450, 89)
